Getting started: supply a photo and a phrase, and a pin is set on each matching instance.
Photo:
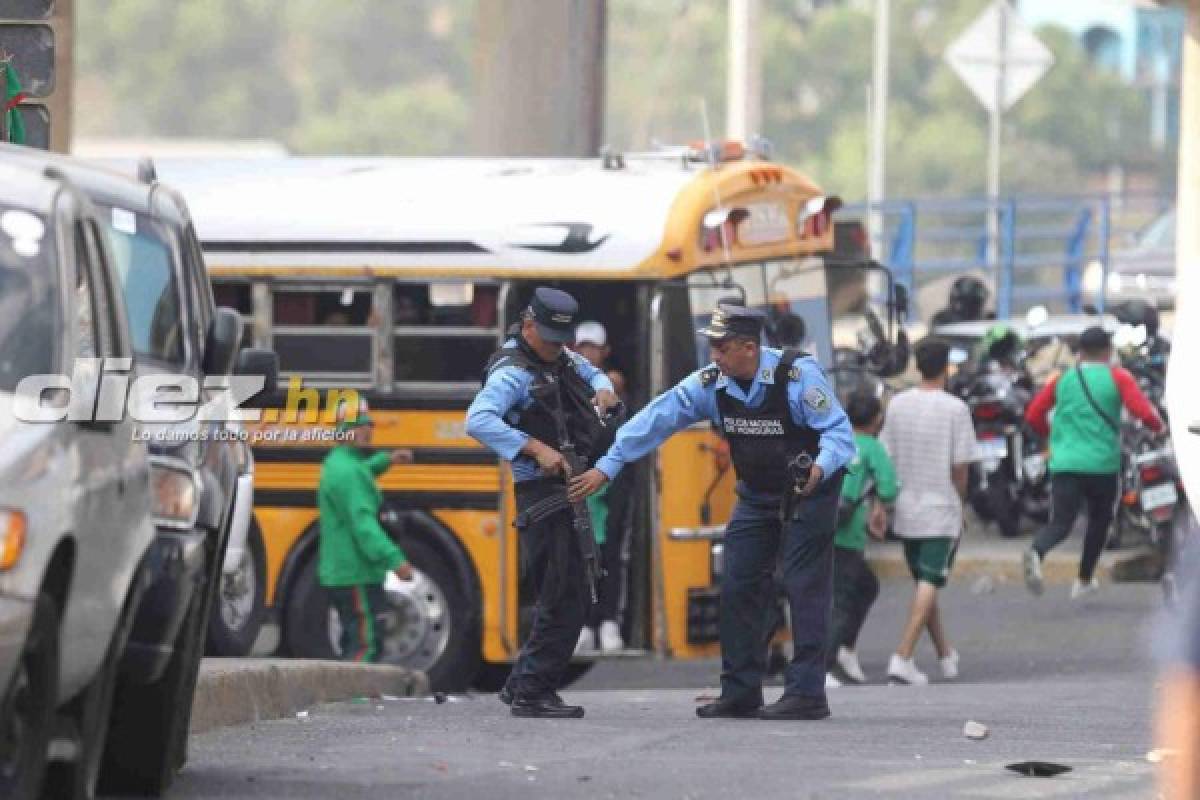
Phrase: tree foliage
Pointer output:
(395, 76)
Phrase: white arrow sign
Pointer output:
(998, 49)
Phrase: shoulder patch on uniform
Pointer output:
(817, 399)
(709, 376)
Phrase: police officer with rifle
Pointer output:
(542, 407)
(790, 441)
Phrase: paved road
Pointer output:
(1054, 680)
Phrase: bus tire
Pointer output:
(432, 628)
(240, 606)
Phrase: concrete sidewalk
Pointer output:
(238, 691)
(984, 552)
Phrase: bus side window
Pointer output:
(325, 335)
(444, 332)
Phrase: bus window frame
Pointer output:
(453, 388)
(349, 379)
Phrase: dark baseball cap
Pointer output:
(730, 320)
(554, 312)
(1095, 338)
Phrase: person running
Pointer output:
(1085, 452)
(931, 439)
(855, 586)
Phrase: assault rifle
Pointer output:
(581, 519)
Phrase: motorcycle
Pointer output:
(1149, 492)
(1010, 479)
(1151, 503)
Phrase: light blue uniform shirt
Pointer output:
(505, 394)
(810, 398)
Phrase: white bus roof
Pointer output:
(496, 216)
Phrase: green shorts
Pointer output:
(930, 560)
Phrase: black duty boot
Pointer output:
(796, 707)
(545, 706)
(730, 709)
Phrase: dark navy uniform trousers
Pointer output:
(553, 565)
(755, 541)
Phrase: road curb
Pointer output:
(238, 691)
(1004, 567)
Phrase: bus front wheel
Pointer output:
(427, 626)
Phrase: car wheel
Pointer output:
(241, 602)
(76, 779)
(27, 713)
(147, 738)
(429, 626)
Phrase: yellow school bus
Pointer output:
(398, 278)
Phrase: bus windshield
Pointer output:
(790, 292)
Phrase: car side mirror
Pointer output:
(224, 334)
(259, 363)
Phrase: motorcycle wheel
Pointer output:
(1004, 512)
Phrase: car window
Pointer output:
(146, 270)
(30, 319)
(86, 345)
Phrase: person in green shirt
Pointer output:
(354, 552)
(1085, 453)
(855, 586)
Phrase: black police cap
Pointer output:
(730, 320)
(554, 312)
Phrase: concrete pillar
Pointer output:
(1188, 203)
(1183, 379)
(540, 78)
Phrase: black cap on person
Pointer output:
(554, 312)
(730, 320)
(1095, 339)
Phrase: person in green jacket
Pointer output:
(855, 586)
(354, 552)
(1085, 452)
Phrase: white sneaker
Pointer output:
(950, 666)
(587, 640)
(1033, 571)
(1080, 590)
(610, 637)
(904, 671)
(831, 681)
(847, 660)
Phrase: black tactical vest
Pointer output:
(558, 383)
(763, 440)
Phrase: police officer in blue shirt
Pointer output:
(771, 406)
(530, 380)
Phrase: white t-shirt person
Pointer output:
(928, 432)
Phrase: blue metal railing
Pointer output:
(1043, 250)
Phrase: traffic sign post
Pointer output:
(999, 60)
